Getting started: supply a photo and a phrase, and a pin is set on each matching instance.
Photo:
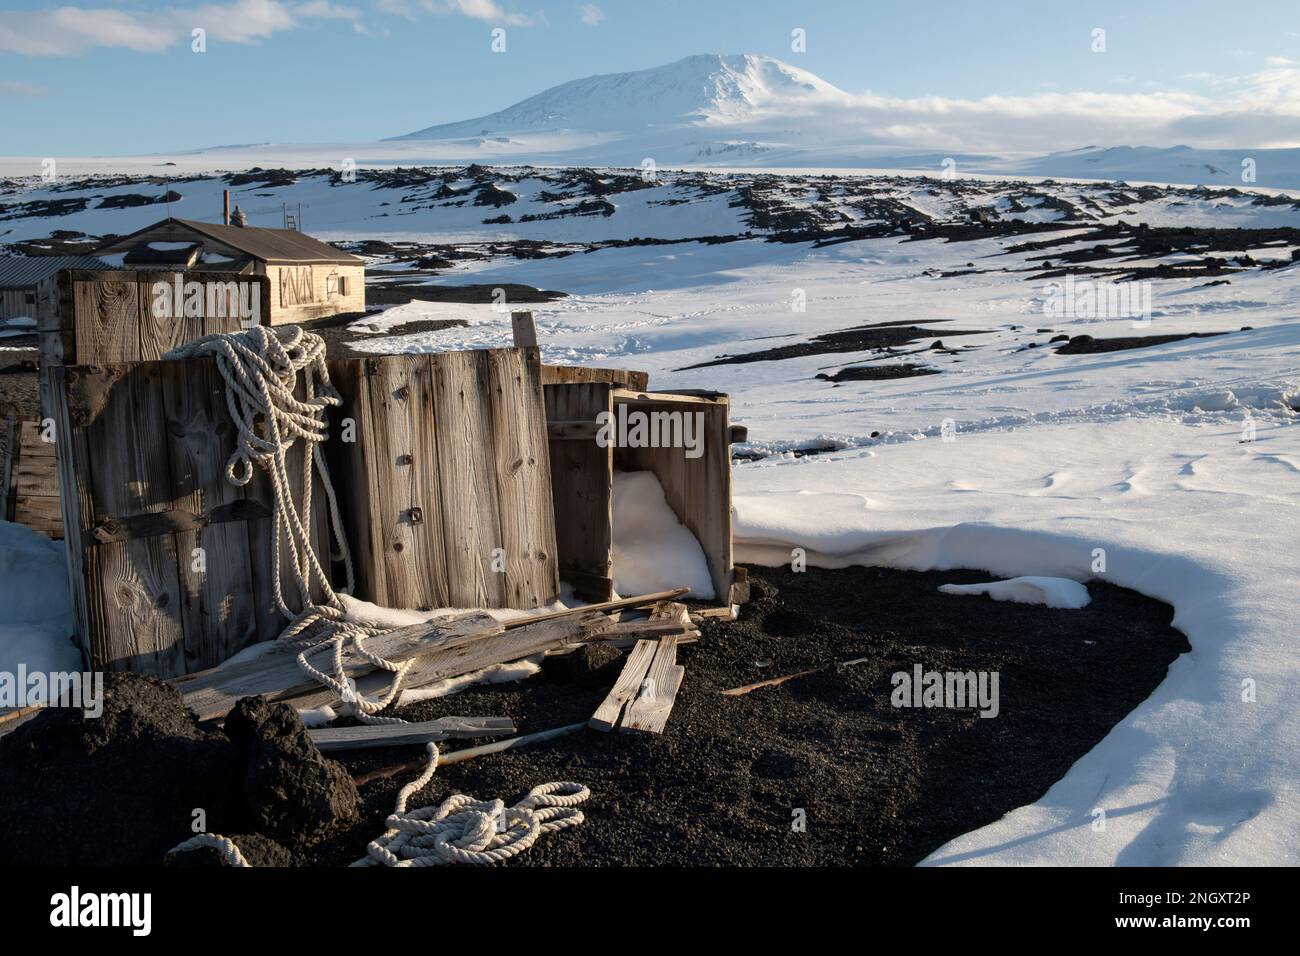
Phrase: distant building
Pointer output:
(20, 274)
(310, 279)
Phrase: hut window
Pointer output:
(343, 285)
(30, 298)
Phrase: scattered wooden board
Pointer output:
(643, 695)
(650, 708)
(444, 662)
(276, 675)
(365, 736)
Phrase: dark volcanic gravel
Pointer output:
(879, 785)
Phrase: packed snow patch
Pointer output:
(1053, 592)
(36, 627)
(653, 551)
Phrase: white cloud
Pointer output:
(1260, 110)
(70, 31)
(591, 14)
(19, 88)
(67, 31)
(487, 10)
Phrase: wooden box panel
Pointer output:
(170, 564)
(446, 483)
(697, 489)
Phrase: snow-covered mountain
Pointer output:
(748, 110)
(740, 111)
(699, 90)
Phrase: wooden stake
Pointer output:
(638, 601)
(458, 756)
(778, 681)
(525, 331)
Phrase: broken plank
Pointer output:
(457, 756)
(628, 685)
(445, 662)
(366, 736)
(277, 676)
(650, 708)
(637, 601)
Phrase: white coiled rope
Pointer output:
(465, 830)
(261, 369)
(225, 846)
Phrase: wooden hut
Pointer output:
(20, 275)
(309, 279)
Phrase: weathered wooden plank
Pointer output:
(75, 502)
(582, 483)
(404, 486)
(217, 612)
(470, 513)
(107, 318)
(357, 473)
(575, 374)
(8, 461)
(648, 710)
(541, 506)
(523, 480)
(366, 736)
(469, 753)
(277, 676)
(32, 442)
(163, 330)
(132, 587)
(35, 475)
(625, 689)
(42, 514)
(524, 330)
(572, 431)
(454, 659)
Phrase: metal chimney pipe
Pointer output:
(225, 215)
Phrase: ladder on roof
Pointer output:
(291, 220)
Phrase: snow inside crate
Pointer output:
(598, 429)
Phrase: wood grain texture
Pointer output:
(582, 476)
(697, 489)
(212, 693)
(609, 714)
(404, 484)
(106, 318)
(132, 586)
(366, 736)
(650, 708)
(470, 513)
(523, 477)
(218, 615)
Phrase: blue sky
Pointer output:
(121, 77)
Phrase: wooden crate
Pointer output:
(170, 565)
(29, 477)
(88, 317)
(698, 490)
(447, 487)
